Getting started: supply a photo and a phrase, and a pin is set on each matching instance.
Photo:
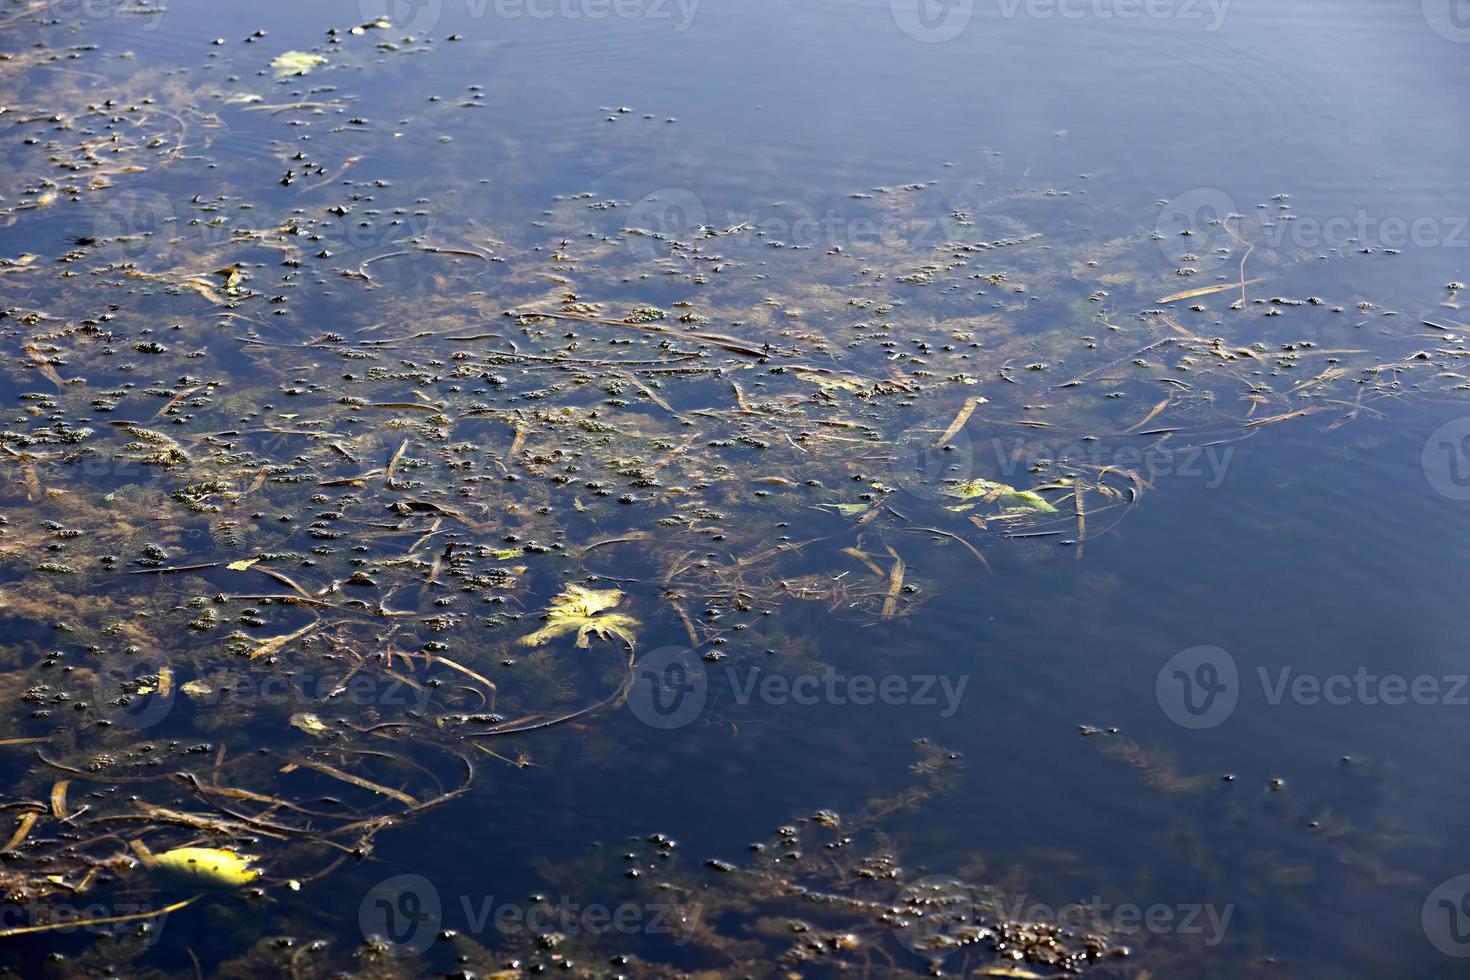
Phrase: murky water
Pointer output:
(1028, 442)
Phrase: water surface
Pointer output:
(297, 323)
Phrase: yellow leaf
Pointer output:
(831, 381)
(204, 289)
(308, 723)
(216, 867)
(296, 63)
(584, 611)
(197, 689)
(587, 602)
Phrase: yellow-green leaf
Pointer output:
(1007, 496)
(584, 611)
(296, 63)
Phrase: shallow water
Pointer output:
(986, 200)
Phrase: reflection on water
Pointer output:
(735, 488)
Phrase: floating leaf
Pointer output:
(242, 564)
(296, 63)
(215, 867)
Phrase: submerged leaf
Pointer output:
(577, 609)
(831, 381)
(1004, 494)
(309, 723)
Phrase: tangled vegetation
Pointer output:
(316, 460)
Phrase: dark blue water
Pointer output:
(1302, 832)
